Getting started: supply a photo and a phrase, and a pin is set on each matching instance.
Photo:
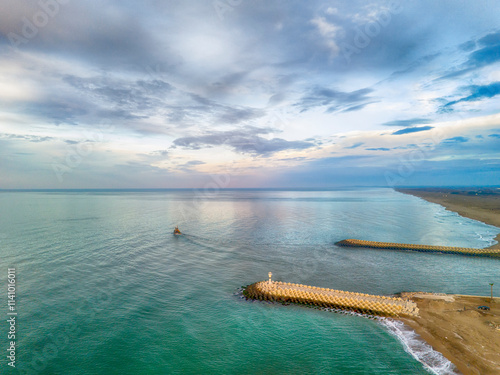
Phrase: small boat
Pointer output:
(177, 231)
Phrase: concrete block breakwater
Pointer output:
(492, 253)
(323, 297)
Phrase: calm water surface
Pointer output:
(105, 288)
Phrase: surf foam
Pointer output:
(433, 361)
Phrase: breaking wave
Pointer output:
(433, 361)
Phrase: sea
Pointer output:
(102, 286)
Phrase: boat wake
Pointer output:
(433, 361)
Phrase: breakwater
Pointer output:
(323, 297)
(492, 253)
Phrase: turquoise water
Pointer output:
(105, 288)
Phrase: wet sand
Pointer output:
(453, 325)
(478, 204)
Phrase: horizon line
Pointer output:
(253, 188)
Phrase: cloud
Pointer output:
(246, 140)
(487, 55)
(188, 166)
(57, 111)
(231, 115)
(484, 56)
(194, 162)
(477, 93)
(357, 107)
(378, 149)
(356, 145)
(147, 159)
(331, 11)
(334, 99)
(454, 140)
(132, 95)
(414, 129)
(29, 138)
(329, 31)
(161, 153)
(123, 38)
(408, 122)
(468, 46)
(135, 100)
(492, 39)
(494, 135)
(324, 27)
(172, 77)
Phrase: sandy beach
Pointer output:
(452, 324)
(478, 204)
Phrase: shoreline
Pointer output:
(452, 324)
(477, 204)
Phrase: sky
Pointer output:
(249, 94)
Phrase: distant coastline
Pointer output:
(451, 324)
(477, 204)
